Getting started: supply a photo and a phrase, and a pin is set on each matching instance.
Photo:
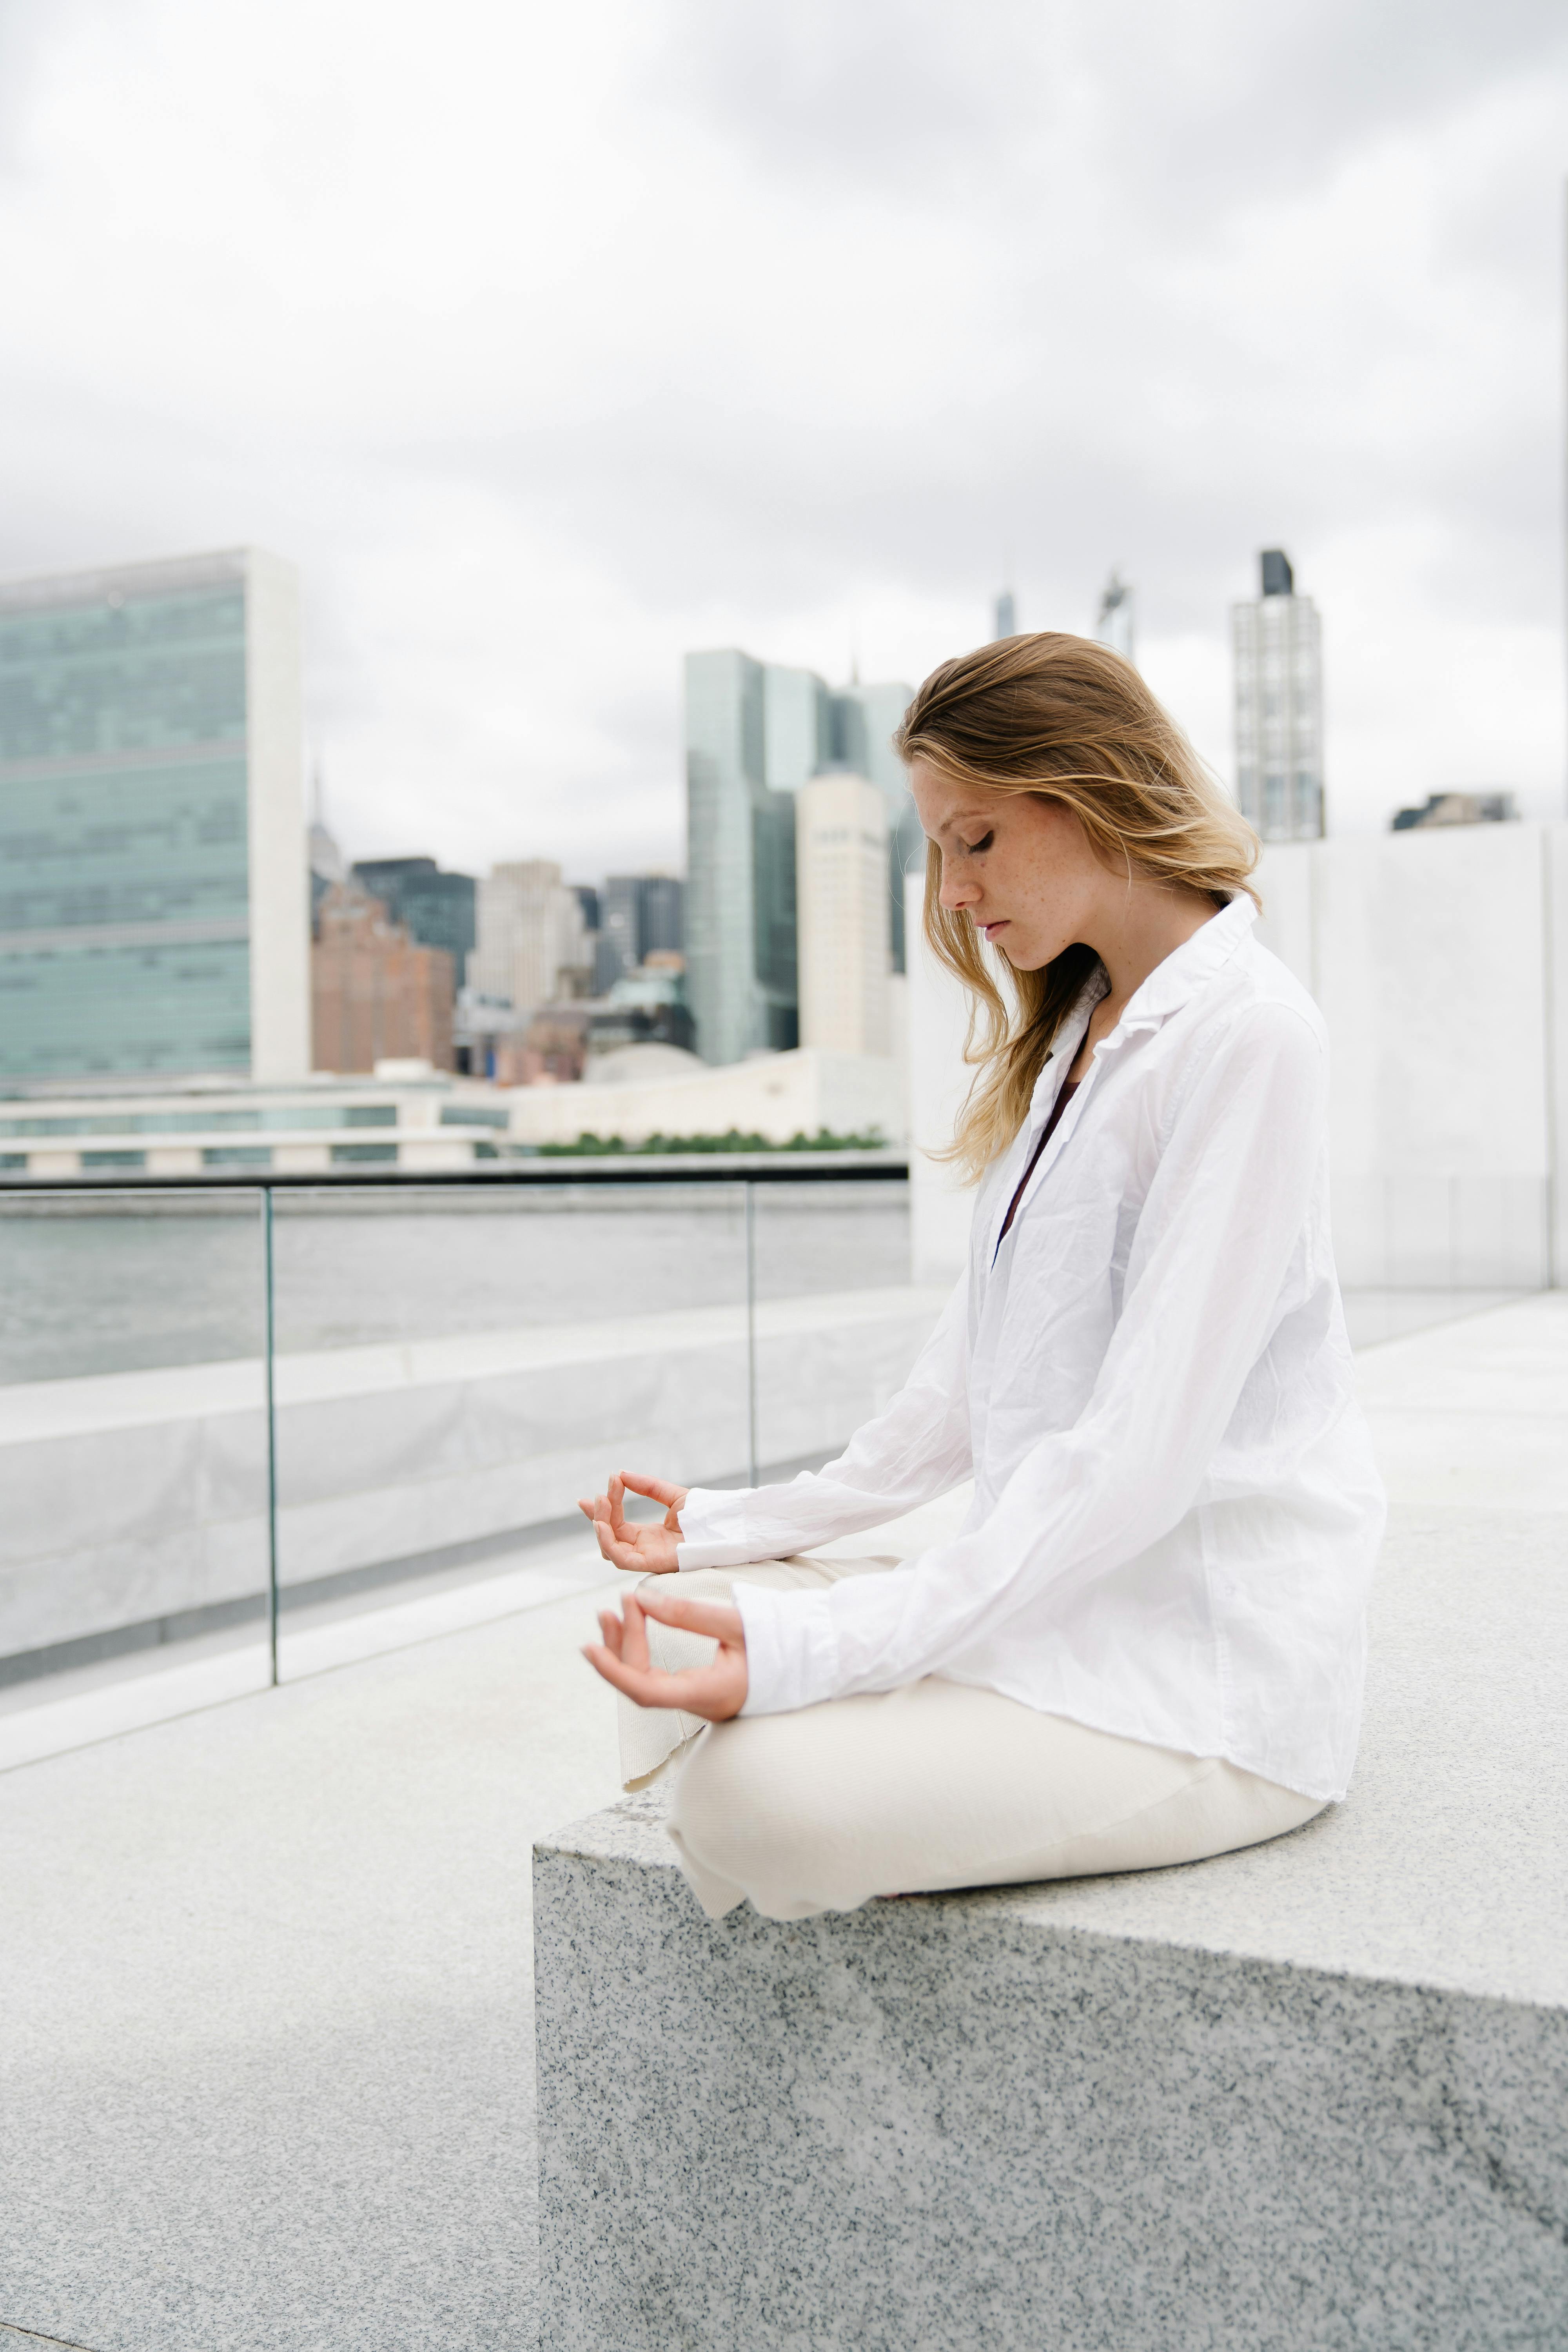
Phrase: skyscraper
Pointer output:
(436, 908)
(841, 876)
(376, 994)
(1278, 707)
(740, 944)
(532, 941)
(154, 913)
(755, 732)
(663, 912)
(1114, 621)
(864, 720)
(798, 725)
(640, 915)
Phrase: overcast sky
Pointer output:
(549, 343)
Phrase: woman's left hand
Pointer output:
(716, 1691)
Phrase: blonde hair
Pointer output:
(1070, 721)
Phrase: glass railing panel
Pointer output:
(457, 1365)
(133, 1500)
(838, 1320)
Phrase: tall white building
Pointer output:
(529, 939)
(154, 906)
(842, 927)
(1278, 708)
(1115, 623)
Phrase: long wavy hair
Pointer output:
(1067, 720)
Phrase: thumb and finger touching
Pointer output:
(715, 1689)
(657, 1490)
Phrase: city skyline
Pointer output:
(530, 421)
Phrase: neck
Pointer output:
(1140, 927)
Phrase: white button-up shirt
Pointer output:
(1176, 1511)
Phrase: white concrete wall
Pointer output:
(1434, 954)
(1440, 960)
(778, 1096)
(280, 886)
(1557, 1044)
(134, 1495)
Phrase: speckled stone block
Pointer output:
(1307, 2098)
(953, 2123)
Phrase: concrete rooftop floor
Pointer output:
(265, 2017)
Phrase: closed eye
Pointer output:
(974, 848)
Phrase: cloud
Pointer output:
(564, 340)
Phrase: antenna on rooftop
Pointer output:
(1113, 622)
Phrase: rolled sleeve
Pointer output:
(713, 1533)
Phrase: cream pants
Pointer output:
(937, 1785)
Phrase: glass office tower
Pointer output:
(864, 720)
(1278, 708)
(640, 915)
(434, 907)
(755, 732)
(735, 957)
(153, 901)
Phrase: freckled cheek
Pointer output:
(1038, 905)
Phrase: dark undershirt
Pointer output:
(1060, 1104)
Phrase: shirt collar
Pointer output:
(1069, 1038)
(1166, 989)
(1172, 983)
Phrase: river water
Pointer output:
(94, 1285)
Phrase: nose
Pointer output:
(957, 892)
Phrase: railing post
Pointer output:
(271, 1435)
(751, 1331)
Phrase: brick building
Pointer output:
(376, 994)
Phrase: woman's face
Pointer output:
(1023, 867)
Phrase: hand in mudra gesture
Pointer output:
(643, 1547)
(716, 1691)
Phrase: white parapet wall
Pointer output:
(1440, 960)
(778, 1096)
(135, 1497)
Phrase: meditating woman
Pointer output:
(1144, 1644)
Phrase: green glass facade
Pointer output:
(124, 884)
(755, 732)
(740, 906)
(433, 907)
(264, 1119)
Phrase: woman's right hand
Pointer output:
(642, 1549)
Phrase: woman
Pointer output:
(1145, 1645)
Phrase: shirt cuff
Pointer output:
(715, 1555)
(711, 1530)
(792, 1651)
